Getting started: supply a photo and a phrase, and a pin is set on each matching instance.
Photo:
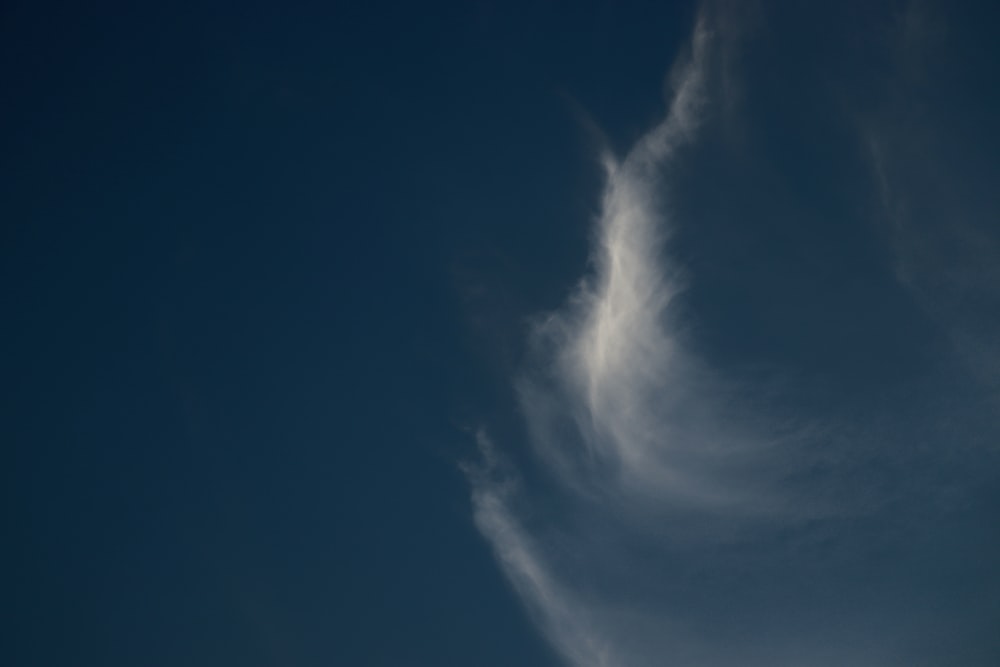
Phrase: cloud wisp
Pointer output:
(936, 192)
(670, 504)
(615, 401)
(620, 412)
(611, 352)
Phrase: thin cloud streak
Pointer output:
(938, 220)
(552, 607)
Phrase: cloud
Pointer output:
(935, 191)
(615, 401)
(620, 412)
(612, 349)
(562, 618)
(669, 513)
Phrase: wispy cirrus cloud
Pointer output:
(935, 186)
(615, 400)
(678, 518)
(631, 425)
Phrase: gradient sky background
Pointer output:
(275, 286)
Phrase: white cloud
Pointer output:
(667, 497)
(562, 618)
(619, 410)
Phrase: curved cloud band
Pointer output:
(665, 512)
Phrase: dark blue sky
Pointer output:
(268, 269)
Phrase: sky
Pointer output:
(587, 334)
